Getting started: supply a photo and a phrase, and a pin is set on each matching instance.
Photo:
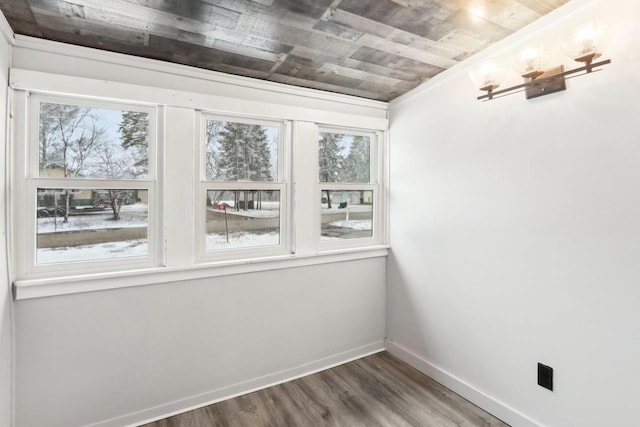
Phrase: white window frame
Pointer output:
(202, 185)
(375, 185)
(27, 180)
(174, 222)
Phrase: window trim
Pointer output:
(27, 180)
(282, 184)
(73, 284)
(376, 182)
(185, 94)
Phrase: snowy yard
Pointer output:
(131, 216)
(126, 249)
(356, 224)
(269, 210)
(241, 239)
(135, 215)
(352, 208)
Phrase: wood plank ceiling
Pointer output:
(376, 49)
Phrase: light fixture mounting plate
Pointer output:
(546, 86)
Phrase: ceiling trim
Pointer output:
(65, 85)
(37, 44)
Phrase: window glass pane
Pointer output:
(344, 158)
(91, 224)
(346, 214)
(242, 219)
(241, 151)
(87, 142)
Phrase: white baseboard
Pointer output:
(204, 399)
(488, 403)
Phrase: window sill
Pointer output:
(38, 288)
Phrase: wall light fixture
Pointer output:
(584, 45)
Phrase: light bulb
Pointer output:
(531, 61)
(586, 42)
(488, 75)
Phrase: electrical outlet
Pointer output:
(545, 376)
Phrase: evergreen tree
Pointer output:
(134, 132)
(244, 153)
(330, 160)
(233, 138)
(330, 157)
(261, 160)
(357, 162)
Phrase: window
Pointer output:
(89, 191)
(83, 224)
(132, 190)
(243, 189)
(348, 173)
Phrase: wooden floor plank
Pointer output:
(375, 391)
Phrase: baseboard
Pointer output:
(204, 399)
(469, 392)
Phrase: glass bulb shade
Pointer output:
(489, 75)
(531, 61)
(586, 42)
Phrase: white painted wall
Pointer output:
(515, 232)
(6, 344)
(95, 356)
(126, 355)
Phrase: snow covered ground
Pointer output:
(357, 224)
(352, 208)
(135, 215)
(269, 210)
(252, 213)
(241, 240)
(126, 249)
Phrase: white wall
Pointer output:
(94, 356)
(6, 345)
(515, 234)
(125, 355)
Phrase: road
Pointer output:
(215, 224)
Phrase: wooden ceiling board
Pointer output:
(360, 23)
(407, 51)
(338, 30)
(542, 7)
(464, 43)
(462, 20)
(89, 33)
(377, 49)
(311, 8)
(509, 14)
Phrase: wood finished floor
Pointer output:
(378, 390)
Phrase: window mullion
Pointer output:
(179, 203)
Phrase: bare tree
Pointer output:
(113, 163)
(69, 135)
(47, 125)
(212, 149)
